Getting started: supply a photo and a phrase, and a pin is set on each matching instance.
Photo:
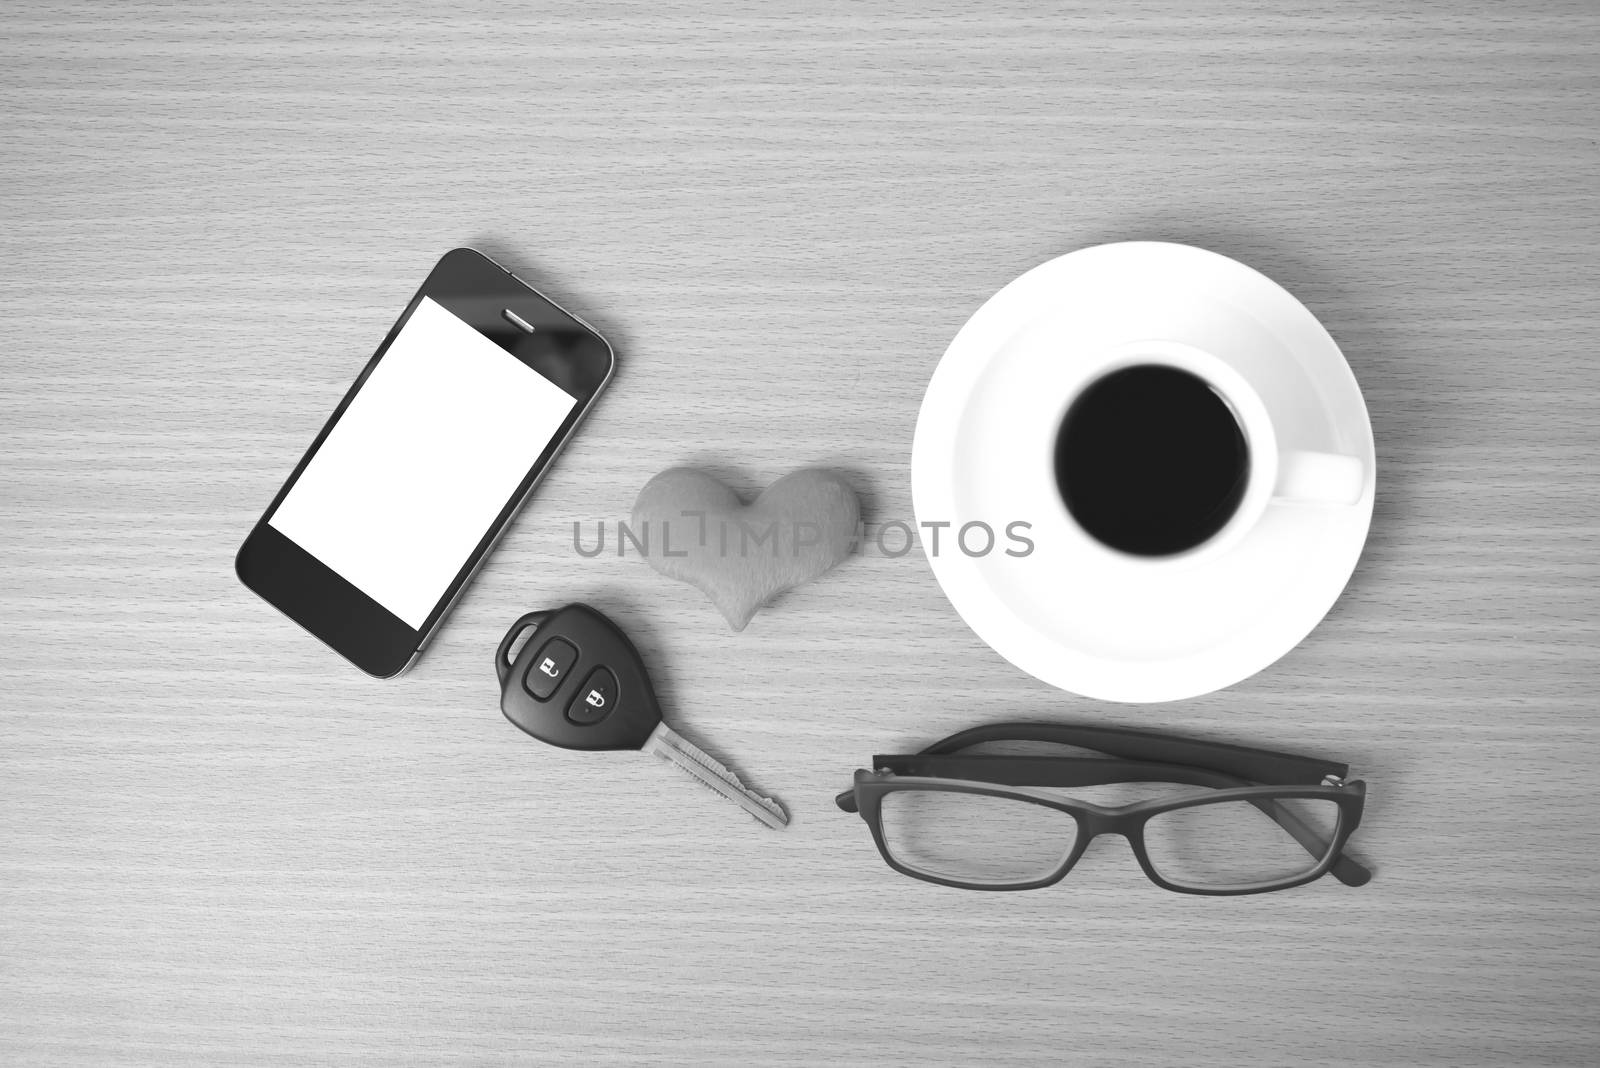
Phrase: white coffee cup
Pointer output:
(1275, 475)
(1119, 626)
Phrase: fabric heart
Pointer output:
(694, 529)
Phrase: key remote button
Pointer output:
(549, 668)
(595, 698)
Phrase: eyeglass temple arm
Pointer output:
(1257, 765)
(1260, 765)
(1096, 771)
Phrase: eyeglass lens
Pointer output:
(975, 838)
(1238, 844)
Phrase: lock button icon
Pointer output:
(595, 698)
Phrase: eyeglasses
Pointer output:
(1265, 821)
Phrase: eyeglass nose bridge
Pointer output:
(1094, 823)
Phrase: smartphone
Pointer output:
(420, 468)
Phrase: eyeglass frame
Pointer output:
(1233, 773)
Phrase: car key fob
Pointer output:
(577, 682)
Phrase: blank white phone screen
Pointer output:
(418, 467)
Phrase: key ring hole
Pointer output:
(517, 644)
(517, 636)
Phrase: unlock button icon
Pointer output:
(595, 699)
(549, 668)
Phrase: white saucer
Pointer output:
(1133, 633)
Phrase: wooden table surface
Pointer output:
(221, 845)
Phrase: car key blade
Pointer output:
(675, 749)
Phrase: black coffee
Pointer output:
(1150, 460)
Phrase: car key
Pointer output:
(579, 683)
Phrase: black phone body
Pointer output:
(421, 467)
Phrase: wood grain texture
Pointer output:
(220, 845)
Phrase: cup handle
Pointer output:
(1319, 478)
